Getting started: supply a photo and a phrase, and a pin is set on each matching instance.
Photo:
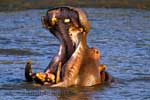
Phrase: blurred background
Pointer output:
(28, 4)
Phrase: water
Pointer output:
(122, 36)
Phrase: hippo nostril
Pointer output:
(97, 52)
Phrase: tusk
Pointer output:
(28, 71)
(67, 20)
(54, 20)
(58, 72)
(40, 77)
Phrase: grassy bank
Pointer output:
(6, 5)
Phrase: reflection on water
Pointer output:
(122, 35)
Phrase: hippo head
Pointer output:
(68, 25)
(75, 63)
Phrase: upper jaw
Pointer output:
(45, 23)
(50, 20)
(73, 32)
(65, 27)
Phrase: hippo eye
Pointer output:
(67, 20)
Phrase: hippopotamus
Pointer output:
(75, 63)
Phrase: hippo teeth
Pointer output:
(28, 71)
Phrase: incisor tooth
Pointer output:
(67, 20)
(54, 20)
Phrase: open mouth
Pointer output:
(65, 25)
(75, 63)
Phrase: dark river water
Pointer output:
(122, 36)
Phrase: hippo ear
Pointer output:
(83, 19)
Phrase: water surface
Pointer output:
(122, 36)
